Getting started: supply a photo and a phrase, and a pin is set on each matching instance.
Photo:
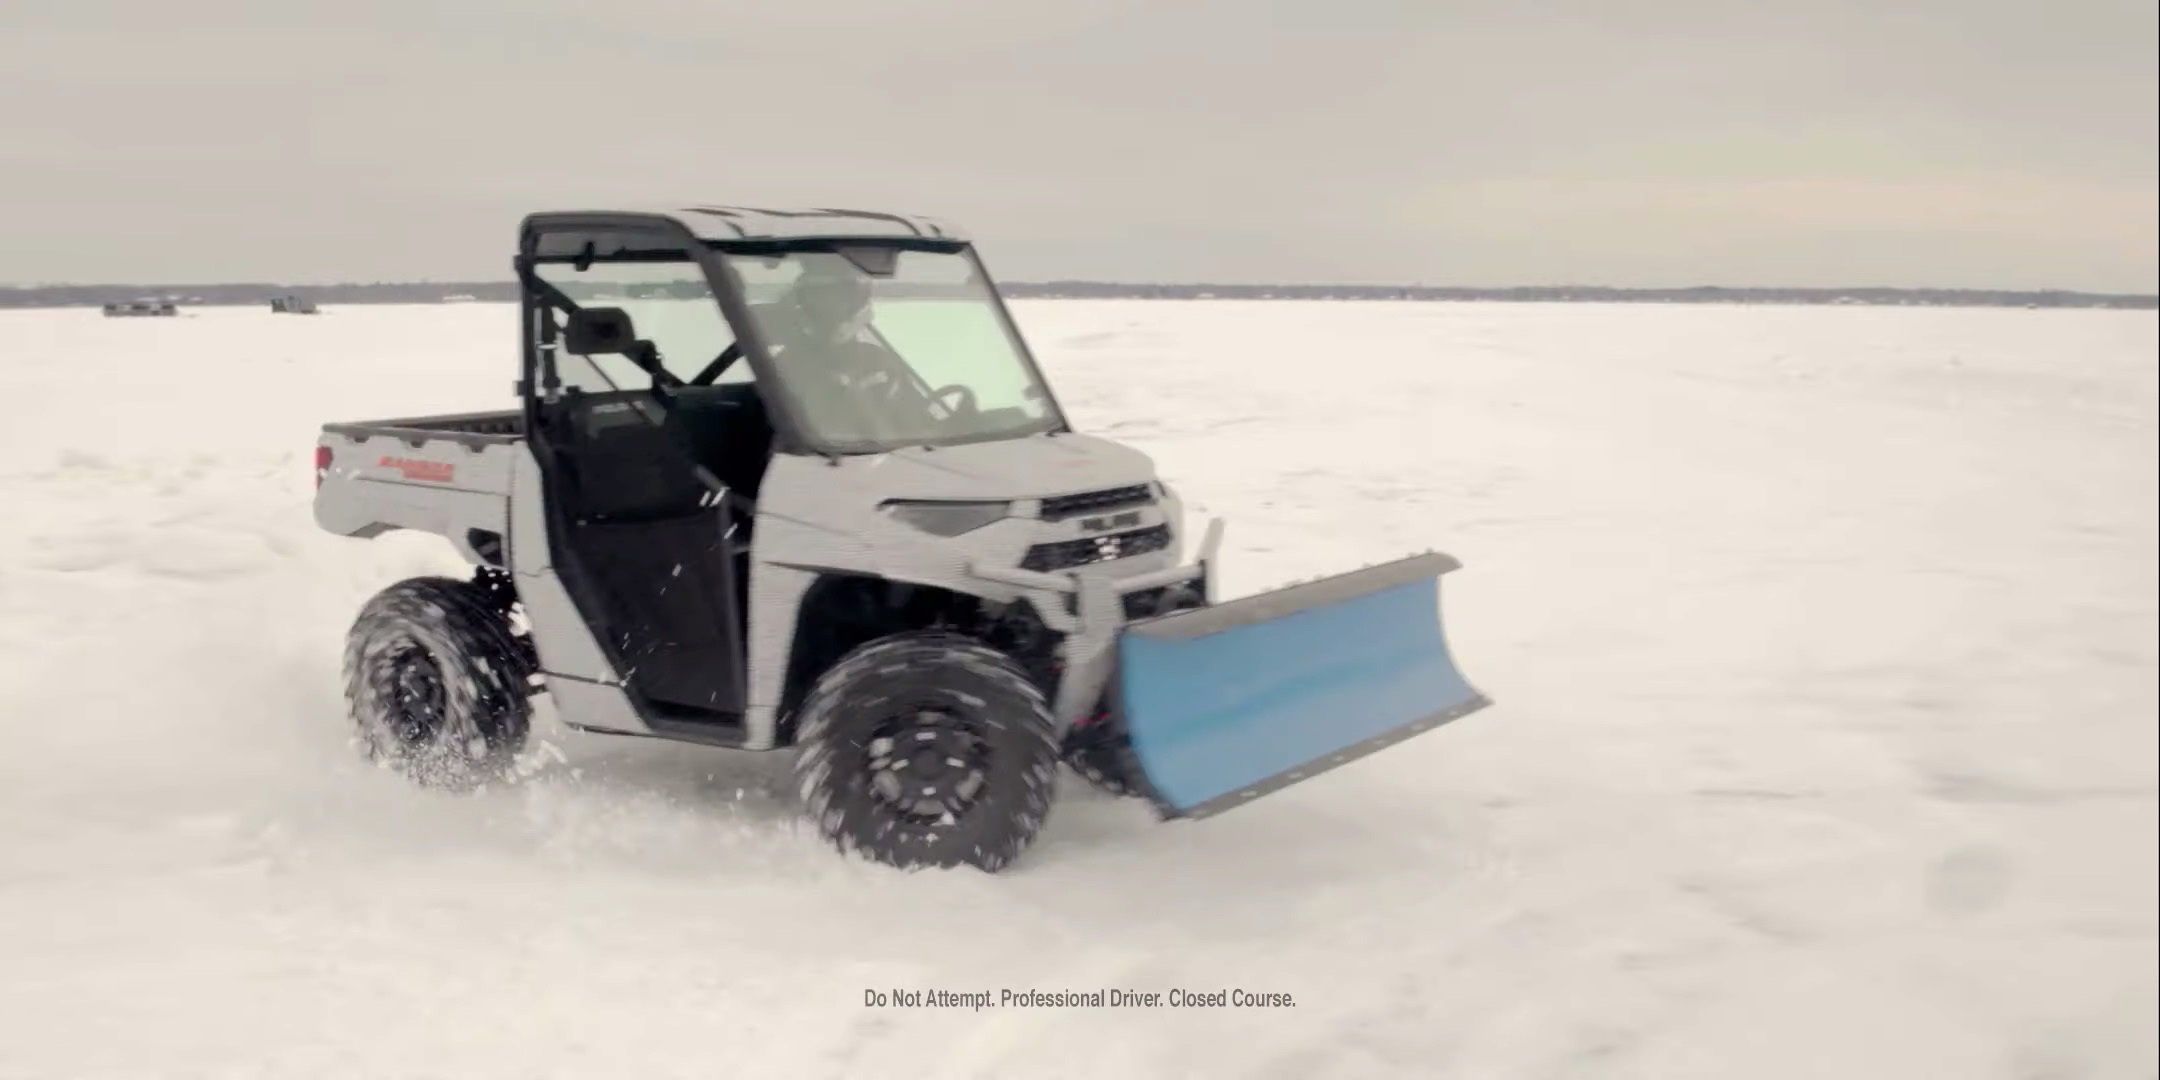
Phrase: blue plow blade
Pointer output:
(1228, 703)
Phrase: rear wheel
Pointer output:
(438, 684)
(927, 749)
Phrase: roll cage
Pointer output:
(582, 239)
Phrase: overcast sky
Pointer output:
(1981, 143)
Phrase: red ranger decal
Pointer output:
(427, 472)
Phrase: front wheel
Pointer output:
(928, 749)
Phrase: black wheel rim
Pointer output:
(928, 766)
(418, 699)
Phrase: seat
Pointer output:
(626, 467)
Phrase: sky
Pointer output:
(1646, 143)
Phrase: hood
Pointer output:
(1031, 468)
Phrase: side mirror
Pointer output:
(599, 332)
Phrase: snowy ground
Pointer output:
(1823, 642)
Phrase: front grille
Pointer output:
(1060, 507)
(1066, 554)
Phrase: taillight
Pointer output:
(322, 465)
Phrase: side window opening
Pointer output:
(670, 305)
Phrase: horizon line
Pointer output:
(1128, 284)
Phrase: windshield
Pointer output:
(880, 347)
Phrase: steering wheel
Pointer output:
(965, 406)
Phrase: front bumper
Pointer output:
(1088, 608)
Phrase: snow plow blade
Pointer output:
(1228, 703)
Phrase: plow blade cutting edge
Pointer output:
(1228, 703)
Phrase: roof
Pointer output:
(709, 221)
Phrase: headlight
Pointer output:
(948, 518)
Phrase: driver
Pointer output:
(847, 380)
(830, 303)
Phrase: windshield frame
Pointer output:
(733, 295)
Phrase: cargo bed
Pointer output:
(470, 429)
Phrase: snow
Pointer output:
(1822, 639)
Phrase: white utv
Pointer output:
(792, 479)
